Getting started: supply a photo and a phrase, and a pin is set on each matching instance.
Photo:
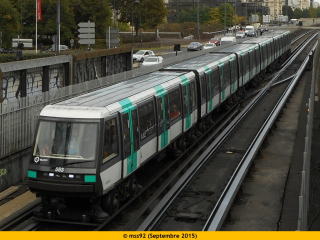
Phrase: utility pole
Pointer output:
(198, 21)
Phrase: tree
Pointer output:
(297, 13)
(9, 23)
(215, 15)
(152, 12)
(98, 11)
(287, 10)
(190, 15)
(229, 13)
(305, 13)
(313, 12)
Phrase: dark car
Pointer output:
(216, 41)
(2, 50)
(251, 34)
(195, 46)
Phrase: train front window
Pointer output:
(66, 140)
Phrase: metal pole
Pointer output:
(114, 13)
(132, 25)
(140, 24)
(198, 20)
(246, 11)
(21, 20)
(225, 4)
(235, 11)
(58, 27)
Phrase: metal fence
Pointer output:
(305, 176)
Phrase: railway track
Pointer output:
(154, 188)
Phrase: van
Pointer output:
(226, 40)
(249, 28)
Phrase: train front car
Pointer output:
(63, 169)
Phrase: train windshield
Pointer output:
(66, 140)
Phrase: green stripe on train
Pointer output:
(208, 71)
(165, 135)
(223, 84)
(185, 82)
(132, 159)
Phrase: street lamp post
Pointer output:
(225, 27)
(21, 21)
(137, 1)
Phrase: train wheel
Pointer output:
(181, 145)
(111, 202)
(133, 186)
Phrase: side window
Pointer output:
(175, 103)
(126, 134)
(185, 100)
(146, 120)
(203, 88)
(193, 94)
(215, 82)
(233, 71)
(111, 145)
(227, 73)
(135, 129)
(160, 114)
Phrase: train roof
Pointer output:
(117, 92)
(235, 48)
(198, 62)
(93, 104)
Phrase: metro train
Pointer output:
(87, 149)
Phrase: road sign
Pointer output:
(86, 24)
(86, 35)
(28, 43)
(112, 37)
(86, 30)
(87, 41)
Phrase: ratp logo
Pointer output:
(36, 159)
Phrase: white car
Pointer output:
(141, 55)
(240, 34)
(152, 60)
(209, 45)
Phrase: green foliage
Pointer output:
(123, 27)
(9, 23)
(11, 57)
(152, 12)
(287, 10)
(226, 11)
(297, 13)
(190, 15)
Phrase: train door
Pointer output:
(130, 138)
(111, 163)
(202, 91)
(147, 127)
(257, 55)
(245, 67)
(163, 120)
(213, 89)
(233, 72)
(224, 70)
(186, 104)
(253, 63)
(209, 83)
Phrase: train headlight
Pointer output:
(51, 174)
(71, 176)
